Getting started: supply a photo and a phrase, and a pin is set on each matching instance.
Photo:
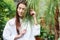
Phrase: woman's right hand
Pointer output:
(21, 34)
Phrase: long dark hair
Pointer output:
(17, 16)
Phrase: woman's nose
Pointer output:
(21, 10)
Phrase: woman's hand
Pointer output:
(21, 34)
(33, 13)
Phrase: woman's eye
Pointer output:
(23, 9)
(19, 8)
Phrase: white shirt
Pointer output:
(10, 32)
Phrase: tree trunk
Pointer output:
(56, 23)
(59, 26)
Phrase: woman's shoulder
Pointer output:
(11, 21)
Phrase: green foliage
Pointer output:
(46, 34)
(11, 7)
(49, 17)
(59, 39)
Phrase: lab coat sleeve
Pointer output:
(7, 33)
(36, 30)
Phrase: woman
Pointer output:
(19, 29)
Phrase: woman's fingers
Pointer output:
(23, 32)
(32, 12)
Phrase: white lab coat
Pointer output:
(10, 32)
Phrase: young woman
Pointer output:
(19, 29)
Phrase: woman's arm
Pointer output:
(20, 35)
(36, 26)
(33, 14)
(36, 30)
(7, 35)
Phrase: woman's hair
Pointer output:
(17, 16)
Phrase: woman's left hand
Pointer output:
(32, 13)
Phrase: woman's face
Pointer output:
(21, 10)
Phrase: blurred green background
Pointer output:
(48, 17)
